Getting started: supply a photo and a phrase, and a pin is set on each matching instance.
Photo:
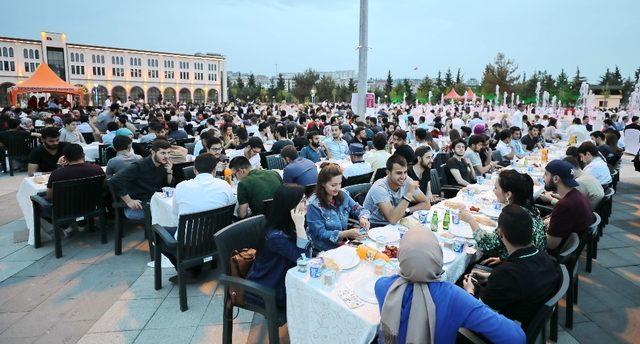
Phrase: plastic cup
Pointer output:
(329, 278)
(167, 191)
(302, 265)
(315, 268)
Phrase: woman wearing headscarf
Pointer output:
(416, 307)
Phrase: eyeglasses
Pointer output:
(217, 149)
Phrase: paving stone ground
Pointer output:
(91, 296)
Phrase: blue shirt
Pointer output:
(455, 308)
(339, 149)
(107, 138)
(309, 153)
(278, 254)
(300, 171)
(324, 224)
(517, 147)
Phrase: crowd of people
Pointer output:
(401, 141)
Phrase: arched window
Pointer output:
(81, 57)
(26, 53)
(37, 54)
(113, 60)
(5, 52)
(102, 59)
(93, 58)
(10, 52)
(72, 57)
(30, 53)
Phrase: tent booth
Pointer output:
(452, 95)
(469, 94)
(44, 80)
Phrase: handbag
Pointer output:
(240, 264)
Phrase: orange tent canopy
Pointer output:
(452, 94)
(469, 93)
(43, 80)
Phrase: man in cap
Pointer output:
(358, 165)
(572, 213)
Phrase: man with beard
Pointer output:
(313, 151)
(532, 140)
(44, 158)
(472, 155)
(142, 178)
(399, 139)
(337, 147)
(459, 171)
(572, 213)
(390, 198)
(421, 171)
(360, 137)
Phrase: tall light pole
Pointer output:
(363, 48)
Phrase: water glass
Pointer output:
(302, 265)
(329, 278)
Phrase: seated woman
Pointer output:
(329, 211)
(285, 241)
(511, 187)
(415, 307)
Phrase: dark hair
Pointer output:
(464, 129)
(475, 139)
(173, 125)
(49, 132)
(68, 120)
(205, 163)
(503, 135)
(282, 131)
(311, 134)
(121, 142)
(598, 134)
(422, 150)
(576, 121)
(456, 142)
(400, 134)
(552, 122)
(242, 134)
(516, 225)
(572, 160)
(262, 126)
(572, 151)
(112, 126)
(212, 141)
(396, 159)
(421, 134)
(13, 123)
(289, 151)
(588, 147)
(454, 135)
(634, 118)
(160, 143)
(73, 152)
(327, 173)
(520, 185)
(156, 126)
(286, 197)
(379, 141)
(239, 162)
(514, 129)
(114, 107)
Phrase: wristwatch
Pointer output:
(406, 199)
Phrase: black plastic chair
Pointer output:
(178, 171)
(360, 179)
(120, 220)
(566, 257)
(88, 138)
(17, 149)
(71, 199)
(274, 162)
(188, 172)
(496, 156)
(446, 191)
(183, 142)
(190, 147)
(266, 206)
(248, 233)
(195, 244)
(591, 238)
(105, 153)
(604, 210)
(547, 313)
(380, 173)
(309, 190)
(141, 149)
(358, 191)
(615, 177)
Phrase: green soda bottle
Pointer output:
(446, 220)
(434, 221)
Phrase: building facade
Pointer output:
(121, 73)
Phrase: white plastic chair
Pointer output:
(632, 141)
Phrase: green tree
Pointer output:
(576, 83)
(616, 77)
(351, 85)
(239, 83)
(252, 81)
(411, 98)
(501, 72)
(439, 85)
(304, 82)
(425, 86)
(458, 78)
(627, 88)
(280, 83)
(563, 88)
(605, 79)
(325, 88)
(388, 85)
(448, 79)
(547, 83)
(637, 74)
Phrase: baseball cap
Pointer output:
(255, 142)
(564, 170)
(356, 149)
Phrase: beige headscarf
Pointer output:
(420, 258)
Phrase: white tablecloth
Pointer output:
(162, 210)
(28, 187)
(315, 313)
(91, 152)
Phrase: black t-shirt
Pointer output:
(76, 171)
(529, 142)
(460, 165)
(424, 181)
(407, 152)
(300, 141)
(45, 161)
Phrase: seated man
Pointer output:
(472, 155)
(137, 182)
(112, 129)
(390, 198)
(358, 166)
(587, 184)
(15, 136)
(155, 129)
(504, 145)
(314, 151)
(377, 157)
(298, 170)
(44, 158)
(336, 147)
(399, 139)
(70, 133)
(72, 166)
(281, 140)
(593, 163)
(251, 151)
(124, 155)
(572, 213)
(421, 171)
(518, 287)
(533, 139)
(459, 171)
(256, 185)
(516, 144)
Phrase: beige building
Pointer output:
(122, 73)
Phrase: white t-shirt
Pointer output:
(504, 149)
(255, 160)
(599, 170)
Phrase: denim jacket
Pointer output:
(324, 224)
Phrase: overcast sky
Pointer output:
(257, 35)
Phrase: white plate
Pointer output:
(389, 233)
(461, 230)
(489, 211)
(448, 255)
(345, 256)
(365, 289)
